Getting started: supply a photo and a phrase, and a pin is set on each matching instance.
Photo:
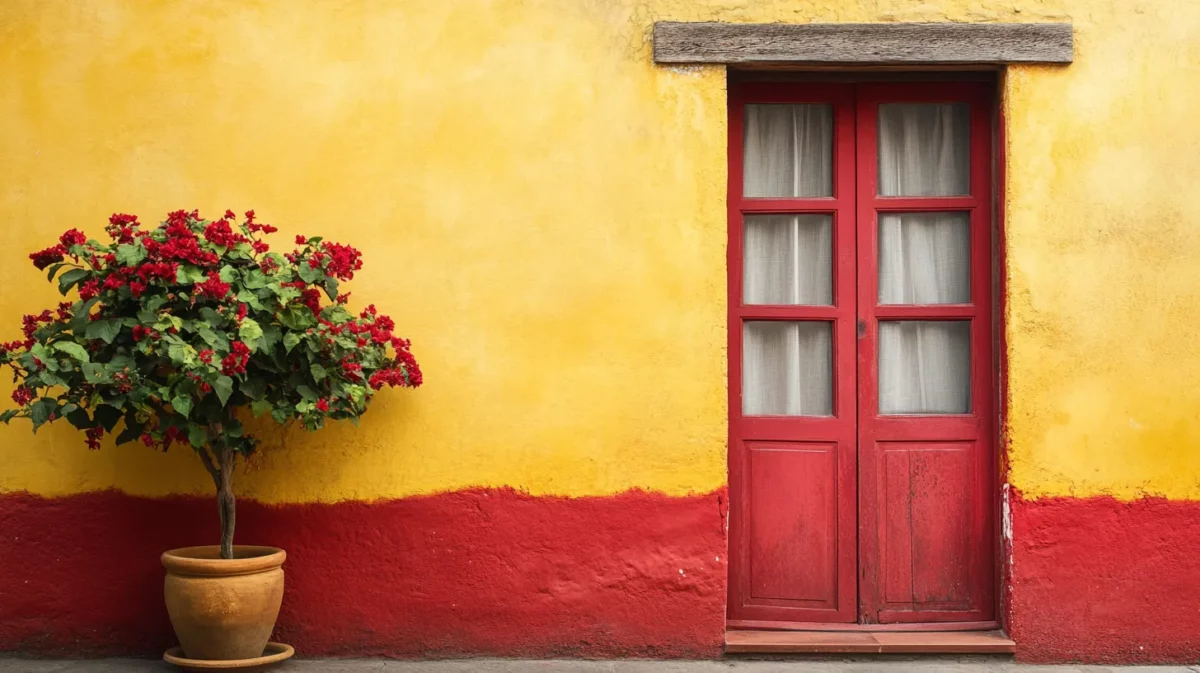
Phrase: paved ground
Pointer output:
(875, 665)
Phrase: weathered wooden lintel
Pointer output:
(863, 43)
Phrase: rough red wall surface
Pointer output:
(1102, 581)
(473, 573)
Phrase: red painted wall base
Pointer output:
(473, 573)
(1101, 581)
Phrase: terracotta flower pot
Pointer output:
(223, 609)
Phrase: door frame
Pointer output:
(806, 86)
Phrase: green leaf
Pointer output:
(223, 386)
(188, 275)
(81, 318)
(318, 372)
(260, 407)
(73, 349)
(308, 393)
(70, 279)
(331, 288)
(256, 280)
(250, 332)
(40, 411)
(250, 299)
(281, 414)
(80, 419)
(309, 274)
(107, 416)
(103, 329)
(254, 388)
(182, 405)
(9, 415)
(297, 317)
(54, 268)
(228, 274)
(290, 340)
(130, 433)
(129, 254)
(211, 316)
(155, 302)
(197, 435)
(51, 379)
(178, 352)
(94, 373)
(271, 336)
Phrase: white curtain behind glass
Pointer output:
(787, 151)
(924, 149)
(924, 366)
(787, 368)
(924, 258)
(787, 259)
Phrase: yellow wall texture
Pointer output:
(543, 211)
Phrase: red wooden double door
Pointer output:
(862, 460)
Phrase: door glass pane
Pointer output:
(787, 368)
(788, 151)
(924, 149)
(924, 258)
(787, 259)
(924, 367)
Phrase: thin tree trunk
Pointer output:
(225, 501)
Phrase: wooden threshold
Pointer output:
(868, 642)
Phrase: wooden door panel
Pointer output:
(927, 488)
(927, 525)
(793, 523)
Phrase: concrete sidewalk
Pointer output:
(874, 665)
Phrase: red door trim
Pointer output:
(857, 545)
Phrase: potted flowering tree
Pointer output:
(179, 333)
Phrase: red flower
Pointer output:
(64, 311)
(249, 215)
(220, 233)
(89, 290)
(343, 261)
(165, 271)
(343, 298)
(140, 332)
(93, 437)
(312, 299)
(44, 258)
(322, 405)
(300, 240)
(206, 356)
(72, 237)
(241, 314)
(213, 287)
(229, 215)
(235, 362)
(261, 247)
(268, 229)
(30, 323)
(22, 395)
(137, 288)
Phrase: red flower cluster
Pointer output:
(213, 287)
(31, 323)
(312, 299)
(206, 356)
(220, 233)
(235, 362)
(93, 438)
(89, 290)
(121, 227)
(322, 405)
(22, 395)
(343, 261)
(72, 237)
(44, 258)
(140, 332)
(164, 271)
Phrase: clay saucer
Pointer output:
(275, 653)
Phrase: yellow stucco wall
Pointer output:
(543, 211)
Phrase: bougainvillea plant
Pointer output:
(182, 330)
